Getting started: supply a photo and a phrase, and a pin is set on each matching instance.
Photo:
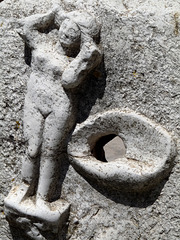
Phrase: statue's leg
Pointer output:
(58, 126)
(33, 126)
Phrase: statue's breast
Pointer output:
(48, 61)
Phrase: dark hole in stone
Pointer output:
(109, 148)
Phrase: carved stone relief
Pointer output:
(50, 112)
(63, 49)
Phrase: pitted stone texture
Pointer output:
(141, 53)
(150, 151)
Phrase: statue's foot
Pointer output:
(42, 204)
(16, 196)
(51, 212)
(41, 214)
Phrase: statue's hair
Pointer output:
(86, 22)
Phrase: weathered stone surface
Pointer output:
(150, 151)
(141, 57)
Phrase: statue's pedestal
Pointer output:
(23, 213)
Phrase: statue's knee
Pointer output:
(33, 151)
(49, 151)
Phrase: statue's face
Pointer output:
(69, 34)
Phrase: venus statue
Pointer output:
(49, 112)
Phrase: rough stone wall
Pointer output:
(141, 45)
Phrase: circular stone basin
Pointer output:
(147, 159)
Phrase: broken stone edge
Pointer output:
(22, 211)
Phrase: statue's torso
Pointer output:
(44, 85)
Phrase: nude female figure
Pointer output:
(49, 113)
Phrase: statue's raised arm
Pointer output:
(88, 58)
(34, 25)
(84, 28)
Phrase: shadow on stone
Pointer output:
(27, 54)
(132, 199)
(62, 174)
(91, 90)
(18, 234)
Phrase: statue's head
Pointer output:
(69, 34)
(76, 27)
(88, 25)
